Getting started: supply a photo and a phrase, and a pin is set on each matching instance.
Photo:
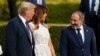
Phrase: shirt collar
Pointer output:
(22, 18)
(81, 27)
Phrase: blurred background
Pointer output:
(59, 12)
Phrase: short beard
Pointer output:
(75, 26)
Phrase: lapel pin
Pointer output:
(87, 30)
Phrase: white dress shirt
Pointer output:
(82, 33)
(1, 52)
(96, 5)
(39, 2)
(22, 19)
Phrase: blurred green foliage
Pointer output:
(55, 35)
(59, 11)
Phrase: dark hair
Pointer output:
(39, 12)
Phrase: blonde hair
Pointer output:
(25, 6)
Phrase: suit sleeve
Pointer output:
(10, 38)
(82, 6)
(43, 3)
(63, 44)
(93, 45)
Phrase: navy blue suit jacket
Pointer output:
(17, 39)
(85, 8)
(70, 46)
(35, 2)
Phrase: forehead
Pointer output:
(31, 10)
(75, 16)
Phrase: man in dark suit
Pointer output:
(12, 8)
(77, 39)
(40, 2)
(19, 40)
(91, 9)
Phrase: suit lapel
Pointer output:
(24, 29)
(85, 34)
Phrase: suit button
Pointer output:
(82, 49)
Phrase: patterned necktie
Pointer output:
(28, 30)
(27, 27)
(30, 33)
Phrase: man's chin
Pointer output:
(74, 27)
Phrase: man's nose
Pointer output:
(72, 22)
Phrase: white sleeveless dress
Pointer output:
(41, 38)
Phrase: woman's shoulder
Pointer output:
(32, 24)
(45, 25)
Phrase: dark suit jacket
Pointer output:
(70, 46)
(35, 2)
(17, 39)
(84, 7)
(12, 8)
